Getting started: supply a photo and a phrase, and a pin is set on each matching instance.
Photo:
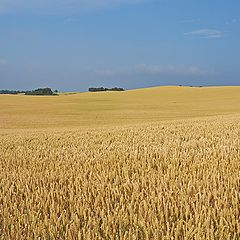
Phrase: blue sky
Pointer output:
(71, 45)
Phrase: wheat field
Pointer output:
(160, 163)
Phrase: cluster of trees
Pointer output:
(41, 92)
(102, 89)
(49, 92)
(10, 92)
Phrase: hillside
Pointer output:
(117, 108)
(140, 164)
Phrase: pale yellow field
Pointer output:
(160, 163)
(117, 108)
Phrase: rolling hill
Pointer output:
(117, 108)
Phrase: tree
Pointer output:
(40, 92)
(102, 89)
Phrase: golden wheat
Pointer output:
(117, 108)
(174, 180)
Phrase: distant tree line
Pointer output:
(36, 92)
(41, 92)
(10, 92)
(102, 89)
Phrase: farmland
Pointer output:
(158, 163)
(117, 108)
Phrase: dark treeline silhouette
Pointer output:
(11, 92)
(102, 89)
(41, 92)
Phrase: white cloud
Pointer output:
(206, 33)
(59, 6)
(193, 20)
(106, 72)
(170, 70)
(158, 70)
(3, 61)
(233, 21)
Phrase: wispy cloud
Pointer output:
(206, 33)
(59, 6)
(158, 70)
(3, 61)
(180, 70)
(233, 21)
(177, 70)
(108, 72)
(193, 20)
